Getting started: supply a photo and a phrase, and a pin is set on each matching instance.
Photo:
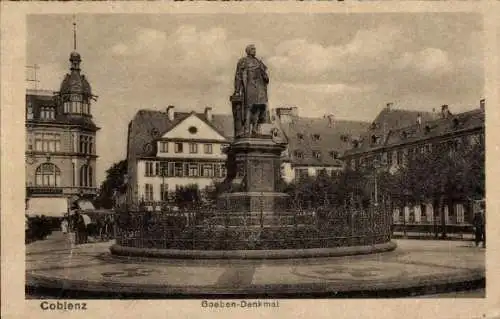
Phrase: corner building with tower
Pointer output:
(60, 144)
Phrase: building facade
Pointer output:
(170, 149)
(60, 144)
(314, 144)
(391, 147)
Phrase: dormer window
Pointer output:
(334, 154)
(298, 154)
(316, 137)
(316, 154)
(29, 111)
(427, 129)
(47, 113)
(344, 138)
(375, 139)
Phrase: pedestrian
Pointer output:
(479, 228)
(64, 226)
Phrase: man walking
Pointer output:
(479, 227)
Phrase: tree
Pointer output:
(187, 196)
(452, 172)
(114, 183)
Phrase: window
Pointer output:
(399, 157)
(217, 170)
(193, 170)
(86, 144)
(73, 174)
(29, 111)
(316, 154)
(207, 148)
(193, 148)
(47, 113)
(148, 192)
(86, 176)
(157, 169)
(179, 170)
(300, 136)
(163, 147)
(192, 129)
(164, 192)
(223, 170)
(47, 142)
(207, 170)
(316, 137)
(149, 168)
(47, 174)
(299, 154)
(171, 169)
(178, 147)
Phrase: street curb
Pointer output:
(251, 254)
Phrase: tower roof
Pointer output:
(75, 82)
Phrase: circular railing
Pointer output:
(208, 229)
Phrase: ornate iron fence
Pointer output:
(211, 229)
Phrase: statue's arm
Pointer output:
(238, 77)
(265, 76)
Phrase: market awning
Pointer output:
(47, 206)
(85, 205)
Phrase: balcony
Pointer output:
(44, 190)
(56, 190)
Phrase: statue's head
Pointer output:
(251, 50)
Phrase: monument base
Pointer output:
(252, 202)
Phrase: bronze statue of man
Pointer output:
(250, 84)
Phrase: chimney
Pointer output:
(287, 114)
(170, 112)
(482, 103)
(389, 106)
(331, 120)
(445, 111)
(208, 113)
(419, 119)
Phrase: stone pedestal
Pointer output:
(253, 174)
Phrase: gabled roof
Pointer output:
(311, 135)
(148, 126)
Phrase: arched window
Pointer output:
(86, 176)
(47, 174)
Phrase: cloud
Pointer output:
(429, 61)
(299, 59)
(330, 89)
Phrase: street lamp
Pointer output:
(376, 165)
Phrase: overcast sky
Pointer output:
(349, 65)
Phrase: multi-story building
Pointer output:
(315, 144)
(413, 133)
(60, 144)
(170, 149)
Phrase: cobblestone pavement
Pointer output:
(58, 263)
